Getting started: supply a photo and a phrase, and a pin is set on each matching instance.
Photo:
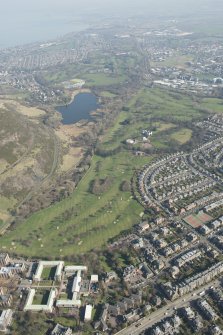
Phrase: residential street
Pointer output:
(167, 310)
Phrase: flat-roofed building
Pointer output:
(72, 269)
(5, 319)
(59, 270)
(69, 303)
(78, 287)
(76, 284)
(46, 308)
(88, 313)
(61, 330)
(45, 264)
(94, 278)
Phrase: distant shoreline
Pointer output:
(39, 40)
(76, 92)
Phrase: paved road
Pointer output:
(155, 317)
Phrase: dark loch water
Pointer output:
(79, 109)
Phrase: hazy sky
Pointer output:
(24, 21)
(54, 6)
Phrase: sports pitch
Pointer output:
(197, 220)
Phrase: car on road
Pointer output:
(138, 324)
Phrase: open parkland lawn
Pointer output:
(147, 105)
(213, 104)
(107, 94)
(179, 61)
(182, 136)
(95, 219)
(102, 79)
(85, 221)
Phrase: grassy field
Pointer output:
(102, 79)
(178, 61)
(119, 66)
(67, 322)
(6, 203)
(41, 297)
(48, 273)
(182, 136)
(107, 94)
(213, 104)
(86, 221)
(143, 108)
(71, 159)
(161, 103)
(163, 126)
(92, 219)
(59, 75)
